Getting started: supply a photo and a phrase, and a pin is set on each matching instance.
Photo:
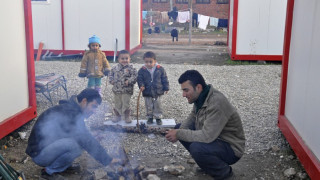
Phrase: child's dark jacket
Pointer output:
(154, 88)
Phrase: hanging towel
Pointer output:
(183, 16)
(223, 23)
(214, 21)
(203, 21)
(144, 14)
(164, 17)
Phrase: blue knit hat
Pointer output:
(94, 39)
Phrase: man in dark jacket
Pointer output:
(213, 132)
(174, 34)
(60, 134)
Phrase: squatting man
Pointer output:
(213, 132)
(60, 135)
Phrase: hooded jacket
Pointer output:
(64, 121)
(119, 75)
(216, 119)
(155, 86)
(94, 64)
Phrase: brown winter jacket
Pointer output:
(119, 74)
(94, 64)
(217, 118)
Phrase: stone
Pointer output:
(148, 171)
(191, 161)
(174, 170)
(302, 175)
(289, 172)
(99, 174)
(153, 177)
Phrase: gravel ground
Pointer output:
(252, 89)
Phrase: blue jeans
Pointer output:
(92, 82)
(214, 158)
(59, 155)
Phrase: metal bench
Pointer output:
(48, 83)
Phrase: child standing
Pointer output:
(94, 64)
(123, 77)
(153, 82)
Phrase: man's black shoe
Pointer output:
(74, 168)
(53, 176)
(150, 121)
(159, 122)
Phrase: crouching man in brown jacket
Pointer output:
(213, 132)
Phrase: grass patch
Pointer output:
(242, 62)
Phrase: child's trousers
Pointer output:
(93, 82)
(153, 107)
(122, 102)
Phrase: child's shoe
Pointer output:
(117, 117)
(54, 176)
(159, 121)
(150, 121)
(127, 116)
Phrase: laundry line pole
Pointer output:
(171, 5)
(190, 23)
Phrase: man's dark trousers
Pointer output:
(214, 158)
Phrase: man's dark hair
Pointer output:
(194, 77)
(90, 95)
(123, 52)
(149, 54)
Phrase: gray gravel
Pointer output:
(252, 89)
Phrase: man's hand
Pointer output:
(142, 88)
(115, 161)
(126, 83)
(166, 92)
(172, 135)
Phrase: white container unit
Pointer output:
(256, 29)
(64, 26)
(299, 118)
(17, 92)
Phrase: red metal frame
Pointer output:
(20, 118)
(233, 52)
(62, 25)
(108, 53)
(127, 24)
(307, 158)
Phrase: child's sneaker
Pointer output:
(150, 121)
(117, 117)
(159, 121)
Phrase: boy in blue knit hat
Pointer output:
(94, 64)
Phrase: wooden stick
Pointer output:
(138, 102)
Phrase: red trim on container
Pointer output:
(12, 123)
(228, 24)
(127, 25)
(62, 25)
(135, 49)
(141, 25)
(234, 28)
(307, 158)
(253, 57)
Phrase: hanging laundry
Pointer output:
(183, 16)
(195, 20)
(173, 15)
(214, 21)
(203, 21)
(164, 17)
(144, 14)
(223, 23)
